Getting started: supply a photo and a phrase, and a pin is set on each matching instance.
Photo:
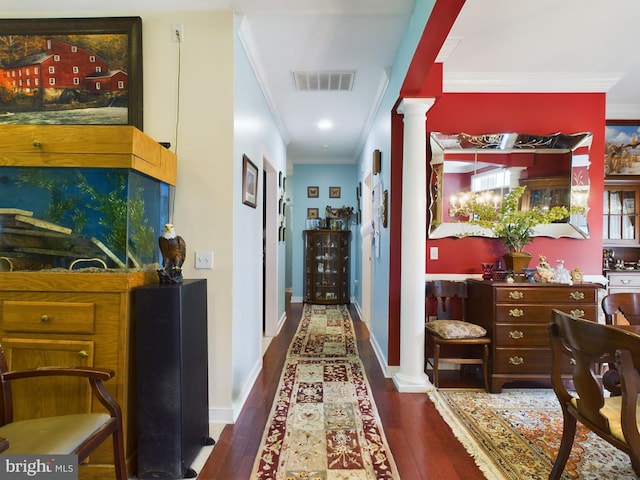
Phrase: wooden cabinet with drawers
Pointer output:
(75, 319)
(516, 316)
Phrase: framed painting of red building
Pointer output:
(81, 71)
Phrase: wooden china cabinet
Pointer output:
(621, 233)
(327, 266)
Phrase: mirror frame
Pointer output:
(578, 145)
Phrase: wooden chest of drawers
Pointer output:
(516, 317)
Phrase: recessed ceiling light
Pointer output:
(325, 124)
(324, 146)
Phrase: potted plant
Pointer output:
(343, 214)
(515, 227)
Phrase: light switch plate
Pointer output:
(204, 260)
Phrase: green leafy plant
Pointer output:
(515, 227)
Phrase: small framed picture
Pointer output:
(249, 182)
(313, 192)
(334, 192)
(312, 213)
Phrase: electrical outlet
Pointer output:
(177, 33)
(204, 260)
(433, 253)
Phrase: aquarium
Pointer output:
(80, 218)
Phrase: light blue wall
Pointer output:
(322, 176)
(380, 138)
(255, 135)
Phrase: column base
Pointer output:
(407, 384)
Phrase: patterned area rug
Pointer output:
(325, 331)
(516, 435)
(324, 424)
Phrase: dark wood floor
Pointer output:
(421, 442)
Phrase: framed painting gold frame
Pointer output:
(249, 182)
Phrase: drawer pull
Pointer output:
(516, 312)
(516, 360)
(44, 318)
(36, 144)
(516, 334)
(577, 313)
(625, 281)
(83, 354)
(516, 295)
(576, 295)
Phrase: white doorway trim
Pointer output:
(366, 253)
(270, 287)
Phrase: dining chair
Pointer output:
(626, 303)
(612, 418)
(446, 326)
(74, 434)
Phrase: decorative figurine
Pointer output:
(576, 275)
(173, 249)
(561, 274)
(544, 272)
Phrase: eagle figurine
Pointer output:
(173, 249)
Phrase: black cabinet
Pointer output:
(171, 343)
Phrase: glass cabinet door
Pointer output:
(620, 215)
(326, 267)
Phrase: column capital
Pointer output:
(415, 106)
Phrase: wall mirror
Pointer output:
(554, 168)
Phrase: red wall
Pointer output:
(536, 113)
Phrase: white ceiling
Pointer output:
(495, 45)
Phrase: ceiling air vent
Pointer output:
(323, 81)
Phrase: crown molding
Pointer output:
(511, 82)
(249, 45)
(621, 111)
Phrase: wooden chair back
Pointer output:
(87, 434)
(588, 344)
(627, 303)
(445, 299)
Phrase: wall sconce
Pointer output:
(377, 162)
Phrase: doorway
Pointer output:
(366, 253)
(270, 282)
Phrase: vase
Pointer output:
(516, 261)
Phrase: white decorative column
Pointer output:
(411, 376)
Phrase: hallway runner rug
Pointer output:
(516, 435)
(324, 424)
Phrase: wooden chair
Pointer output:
(626, 303)
(612, 418)
(76, 434)
(445, 300)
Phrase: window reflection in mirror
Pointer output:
(554, 168)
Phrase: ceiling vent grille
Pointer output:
(323, 81)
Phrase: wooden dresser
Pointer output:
(516, 316)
